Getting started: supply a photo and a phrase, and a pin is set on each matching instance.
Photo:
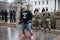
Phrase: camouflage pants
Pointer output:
(36, 23)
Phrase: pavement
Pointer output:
(10, 33)
(14, 33)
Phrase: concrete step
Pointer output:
(7, 24)
(11, 24)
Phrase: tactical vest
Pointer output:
(37, 15)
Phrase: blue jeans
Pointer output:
(26, 26)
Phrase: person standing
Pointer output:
(37, 19)
(11, 16)
(6, 16)
(2, 12)
(43, 10)
(25, 18)
(14, 16)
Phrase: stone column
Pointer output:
(18, 10)
(17, 14)
(56, 5)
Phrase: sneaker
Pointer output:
(23, 35)
(32, 37)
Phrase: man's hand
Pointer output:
(20, 21)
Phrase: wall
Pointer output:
(4, 0)
(59, 4)
(3, 5)
(50, 5)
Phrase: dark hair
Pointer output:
(36, 10)
(43, 10)
(46, 9)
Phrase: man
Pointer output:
(37, 14)
(46, 20)
(43, 10)
(6, 16)
(37, 19)
(11, 16)
(14, 16)
(25, 18)
(2, 12)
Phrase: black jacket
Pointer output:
(11, 13)
(26, 16)
(2, 12)
(14, 13)
(6, 13)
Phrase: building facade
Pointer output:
(50, 4)
(26, 2)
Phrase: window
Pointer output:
(39, 2)
(23, 0)
(46, 1)
(43, 1)
(39, 8)
(50, 0)
(35, 3)
(32, 2)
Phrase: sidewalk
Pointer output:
(57, 37)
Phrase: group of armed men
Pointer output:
(45, 19)
(8, 15)
(39, 19)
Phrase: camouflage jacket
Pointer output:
(37, 15)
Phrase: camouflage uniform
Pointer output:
(45, 22)
(37, 20)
